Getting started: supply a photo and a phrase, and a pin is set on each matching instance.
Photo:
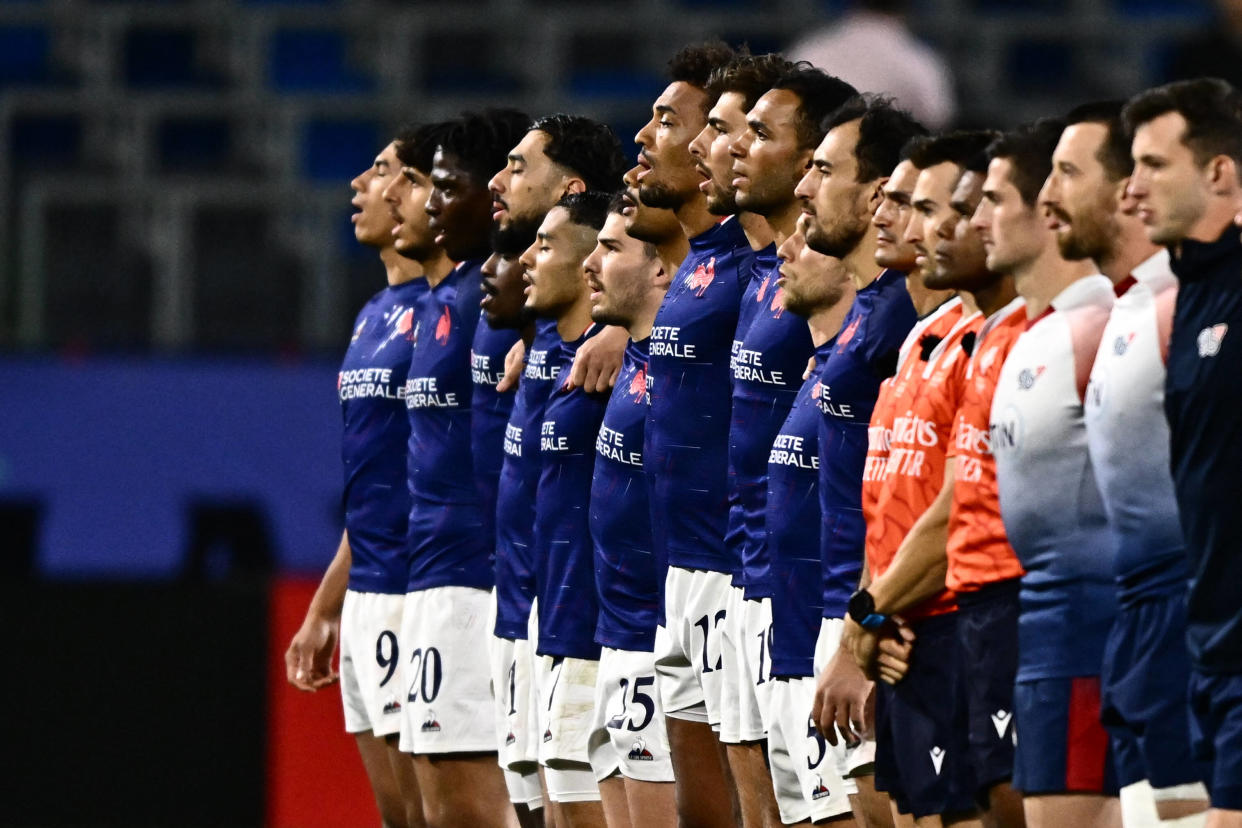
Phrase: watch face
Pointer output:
(861, 605)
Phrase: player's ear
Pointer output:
(876, 196)
(575, 185)
(660, 277)
(1223, 175)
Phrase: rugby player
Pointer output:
(1049, 500)
(563, 554)
(363, 589)
(1187, 152)
(558, 155)
(627, 281)
(446, 721)
(770, 156)
(685, 457)
(1144, 692)
(655, 226)
(805, 777)
(840, 195)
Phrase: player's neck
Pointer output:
(693, 216)
(640, 328)
(860, 262)
(924, 299)
(575, 319)
(826, 322)
(756, 228)
(437, 267)
(995, 296)
(399, 269)
(672, 252)
(1216, 219)
(1049, 274)
(1131, 249)
(784, 222)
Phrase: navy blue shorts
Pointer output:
(921, 754)
(987, 635)
(1144, 703)
(1216, 733)
(1062, 747)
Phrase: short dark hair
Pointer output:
(820, 93)
(748, 75)
(883, 131)
(1114, 152)
(1029, 150)
(588, 209)
(1212, 109)
(959, 148)
(695, 63)
(416, 144)
(480, 141)
(586, 147)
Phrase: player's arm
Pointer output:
(514, 361)
(844, 697)
(921, 563)
(308, 661)
(597, 364)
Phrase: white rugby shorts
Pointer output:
(516, 704)
(627, 709)
(747, 669)
(372, 692)
(688, 648)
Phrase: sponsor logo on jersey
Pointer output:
(1210, 339)
(444, 327)
(639, 753)
(820, 790)
(937, 756)
(430, 724)
(702, 276)
(1122, 343)
(1028, 376)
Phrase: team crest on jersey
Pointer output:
(1026, 379)
(444, 327)
(639, 753)
(431, 724)
(816, 390)
(848, 334)
(1122, 343)
(778, 303)
(763, 288)
(638, 386)
(702, 276)
(1210, 339)
(820, 790)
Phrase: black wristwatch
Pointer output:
(862, 609)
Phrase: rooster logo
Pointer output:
(702, 276)
(444, 326)
(778, 303)
(848, 333)
(763, 288)
(638, 385)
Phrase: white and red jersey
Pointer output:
(1049, 500)
(1128, 435)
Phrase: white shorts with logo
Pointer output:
(811, 778)
(448, 705)
(513, 666)
(567, 711)
(372, 691)
(627, 709)
(689, 666)
(747, 669)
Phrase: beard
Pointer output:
(513, 239)
(837, 241)
(660, 196)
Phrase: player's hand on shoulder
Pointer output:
(513, 367)
(598, 361)
(308, 661)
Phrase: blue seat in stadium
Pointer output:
(337, 150)
(313, 60)
(25, 54)
(165, 57)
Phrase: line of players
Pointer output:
(831, 340)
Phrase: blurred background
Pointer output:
(178, 275)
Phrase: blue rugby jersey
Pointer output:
(489, 413)
(371, 388)
(767, 368)
(793, 533)
(519, 478)
(446, 532)
(687, 437)
(564, 555)
(864, 355)
(1202, 401)
(625, 566)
